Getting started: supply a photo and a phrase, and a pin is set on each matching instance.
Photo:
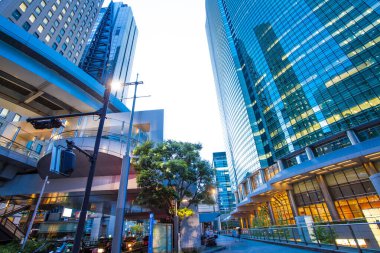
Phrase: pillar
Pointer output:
(95, 228)
(292, 202)
(352, 137)
(262, 175)
(309, 153)
(271, 215)
(280, 165)
(328, 199)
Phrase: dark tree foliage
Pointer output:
(172, 171)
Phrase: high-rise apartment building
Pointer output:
(114, 34)
(298, 84)
(64, 25)
(226, 200)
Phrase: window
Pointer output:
(58, 2)
(69, 54)
(56, 23)
(60, 17)
(65, 25)
(64, 46)
(26, 26)
(58, 39)
(45, 21)
(75, 60)
(23, 7)
(50, 14)
(54, 46)
(54, 7)
(67, 40)
(62, 32)
(4, 112)
(52, 30)
(38, 148)
(40, 28)
(29, 1)
(32, 18)
(16, 14)
(37, 10)
(36, 35)
(16, 118)
(43, 3)
(48, 37)
(63, 11)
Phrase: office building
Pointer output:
(225, 197)
(114, 34)
(298, 84)
(64, 25)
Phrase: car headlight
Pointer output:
(129, 245)
(100, 250)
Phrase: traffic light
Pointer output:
(46, 124)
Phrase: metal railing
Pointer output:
(351, 237)
(11, 228)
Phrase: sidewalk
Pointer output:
(247, 246)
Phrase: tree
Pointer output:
(172, 172)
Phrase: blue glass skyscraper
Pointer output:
(299, 93)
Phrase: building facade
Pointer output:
(115, 34)
(64, 25)
(225, 197)
(298, 85)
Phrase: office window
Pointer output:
(67, 40)
(26, 26)
(16, 14)
(36, 35)
(58, 2)
(54, 7)
(69, 19)
(69, 54)
(54, 46)
(75, 60)
(43, 3)
(65, 25)
(64, 46)
(40, 28)
(32, 18)
(63, 11)
(60, 17)
(48, 37)
(29, 1)
(56, 23)
(62, 32)
(50, 14)
(4, 112)
(23, 7)
(58, 39)
(45, 21)
(16, 118)
(52, 30)
(37, 10)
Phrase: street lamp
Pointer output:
(122, 194)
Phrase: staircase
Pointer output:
(9, 230)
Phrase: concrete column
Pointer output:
(271, 215)
(326, 195)
(280, 165)
(292, 202)
(375, 180)
(241, 222)
(262, 175)
(95, 228)
(309, 153)
(352, 137)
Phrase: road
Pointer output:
(248, 246)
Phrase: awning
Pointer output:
(208, 217)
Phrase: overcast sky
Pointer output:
(172, 59)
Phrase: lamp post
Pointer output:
(122, 194)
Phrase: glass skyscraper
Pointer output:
(225, 199)
(298, 83)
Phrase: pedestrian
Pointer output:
(239, 232)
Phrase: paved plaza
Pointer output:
(246, 246)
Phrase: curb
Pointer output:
(295, 246)
(220, 248)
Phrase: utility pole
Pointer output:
(34, 214)
(123, 188)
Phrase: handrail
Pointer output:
(11, 227)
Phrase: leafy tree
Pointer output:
(171, 172)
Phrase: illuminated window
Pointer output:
(4, 112)
(16, 118)
(50, 14)
(32, 18)
(52, 30)
(47, 38)
(40, 28)
(43, 3)
(23, 7)
(54, 7)
(45, 21)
